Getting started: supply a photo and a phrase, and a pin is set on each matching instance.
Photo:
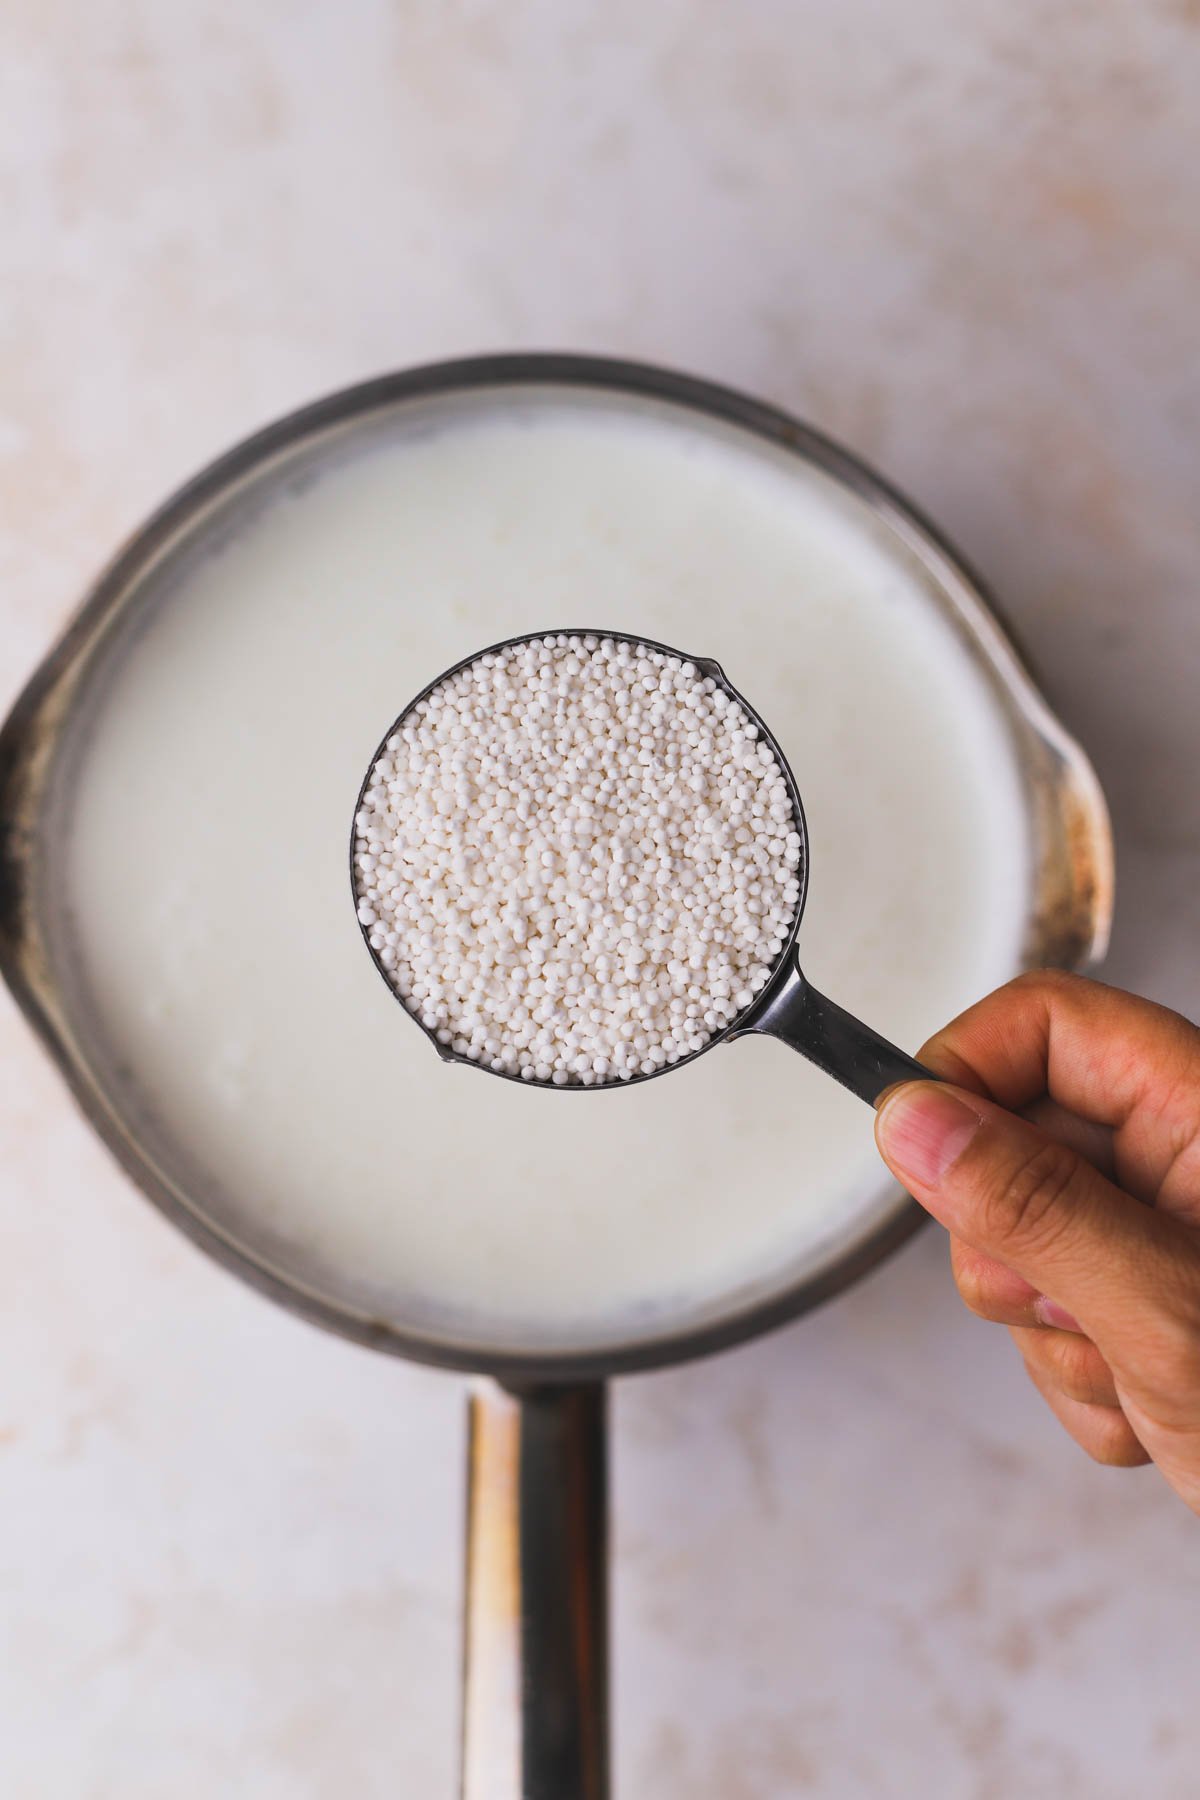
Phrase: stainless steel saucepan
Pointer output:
(535, 1719)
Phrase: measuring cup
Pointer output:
(534, 1712)
(788, 1007)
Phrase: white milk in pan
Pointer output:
(204, 862)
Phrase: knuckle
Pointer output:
(1028, 1202)
(1083, 1373)
(1112, 1443)
(1046, 981)
(1068, 1364)
(974, 1289)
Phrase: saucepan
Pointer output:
(535, 1712)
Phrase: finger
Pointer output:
(994, 1292)
(1070, 1364)
(1105, 1434)
(1129, 1275)
(986, 1287)
(990, 1290)
(1097, 1050)
(1109, 1057)
(1095, 1142)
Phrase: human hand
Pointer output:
(1077, 1225)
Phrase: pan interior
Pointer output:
(194, 863)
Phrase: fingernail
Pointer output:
(1049, 1312)
(922, 1131)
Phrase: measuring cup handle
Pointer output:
(535, 1666)
(834, 1039)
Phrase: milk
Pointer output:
(206, 908)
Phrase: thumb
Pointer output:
(1037, 1206)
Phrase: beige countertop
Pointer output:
(855, 1559)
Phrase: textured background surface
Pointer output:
(856, 1559)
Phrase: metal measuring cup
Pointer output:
(788, 1007)
(535, 1706)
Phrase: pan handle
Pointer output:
(535, 1675)
(793, 1011)
(1075, 880)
